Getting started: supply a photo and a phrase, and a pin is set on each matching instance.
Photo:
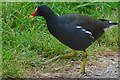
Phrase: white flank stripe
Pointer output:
(92, 37)
(84, 30)
(88, 32)
(78, 27)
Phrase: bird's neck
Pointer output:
(49, 16)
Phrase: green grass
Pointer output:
(26, 40)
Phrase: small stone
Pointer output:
(59, 76)
(57, 69)
(78, 67)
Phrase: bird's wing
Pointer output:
(86, 22)
(89, 25)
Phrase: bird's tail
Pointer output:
(110, 24)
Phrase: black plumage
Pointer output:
(66, 28)
(74, 30)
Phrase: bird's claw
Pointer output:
(82, 73)
(47, 62)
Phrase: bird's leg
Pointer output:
(83, 65)
(68, 56)
(46, 62)
(57, 58)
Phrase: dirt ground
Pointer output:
(106, 66)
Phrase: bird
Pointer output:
(76, 31)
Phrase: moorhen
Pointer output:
(74, 30)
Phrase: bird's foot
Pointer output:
(57, 58)
(82, 73)
(44, 63)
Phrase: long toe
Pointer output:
(82, 73)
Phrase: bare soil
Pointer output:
(106, 66)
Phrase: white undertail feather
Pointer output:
(112, 26)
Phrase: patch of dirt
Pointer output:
(106, 66)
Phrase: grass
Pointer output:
(26, 40)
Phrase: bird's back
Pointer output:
(77, 31)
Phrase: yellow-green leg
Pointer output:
(68, 56)
(83, 65)
(57, 58)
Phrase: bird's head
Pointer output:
(40, 11)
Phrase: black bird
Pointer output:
(74, 30)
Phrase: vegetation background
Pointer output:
(25, 40)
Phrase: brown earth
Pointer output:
(106, 66)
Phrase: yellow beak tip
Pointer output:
(31, 16)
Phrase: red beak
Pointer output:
(34, 13)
